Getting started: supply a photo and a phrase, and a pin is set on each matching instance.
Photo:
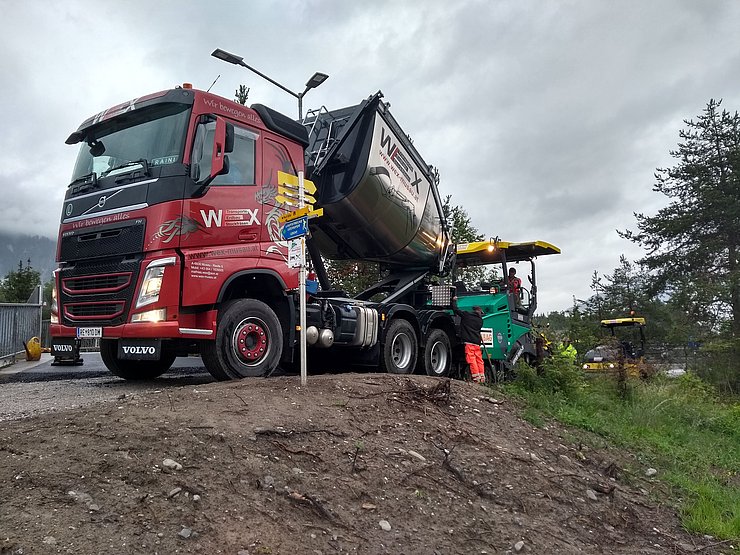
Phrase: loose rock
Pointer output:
(385, 525)
(518, 546)
(591, 494)
(171, 464)
(185, 533)
(650, 472)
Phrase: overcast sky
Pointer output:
(546, 119)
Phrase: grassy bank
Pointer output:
(678, 426)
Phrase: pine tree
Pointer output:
(241, 95)
(18, 285)
(692, 244)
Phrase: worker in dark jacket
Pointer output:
(470, 326)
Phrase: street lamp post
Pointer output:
(315, 80)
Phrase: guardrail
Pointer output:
(18, 324)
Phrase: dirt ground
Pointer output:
(355, 463)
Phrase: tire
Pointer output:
(437, 356)
(400, 349)
(134, 370)
(248, 344)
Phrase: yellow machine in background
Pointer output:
(606, 357)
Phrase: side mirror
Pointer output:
(229, 146)
(223, 142)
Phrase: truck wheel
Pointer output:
(400, 348)
(249, 341)
(437, 354)
(134, 369)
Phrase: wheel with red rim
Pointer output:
(248, 343)
(251, 341)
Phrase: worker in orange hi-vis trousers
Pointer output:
(470, 326)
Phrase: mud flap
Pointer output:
(66, 351)
(139, 349)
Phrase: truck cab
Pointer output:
(170, 215)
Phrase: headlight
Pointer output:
(611, 366)
(54, 318)
(152, 282)
(158, 315)
(585, 366)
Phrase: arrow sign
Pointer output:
(295, 214)
(292, 181)
(295, 228)
(286, 200)
(289, 192)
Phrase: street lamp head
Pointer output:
(227, 57)
(316, 79)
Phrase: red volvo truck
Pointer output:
(170, 241)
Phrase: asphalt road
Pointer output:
(187, 370)
(30, 388)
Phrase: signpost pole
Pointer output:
(294, 189)
(302, 288)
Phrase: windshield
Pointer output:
(155, 134)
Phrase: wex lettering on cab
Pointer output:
(234, 216)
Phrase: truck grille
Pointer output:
(84, 244)
(96, 284)
(94, 311)
(99, 291)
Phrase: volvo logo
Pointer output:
(68, 211)
(63, 348)
(139, 350)
(101, 201)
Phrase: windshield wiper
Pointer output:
(93, 177)
(133, 164)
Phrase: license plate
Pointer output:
(89, 333)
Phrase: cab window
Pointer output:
(241, 159)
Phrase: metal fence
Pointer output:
(18, 324)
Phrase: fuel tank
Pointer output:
(380, 198)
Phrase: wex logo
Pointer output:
(399, 159)
(241, 216)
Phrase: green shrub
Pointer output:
(718, 363)
(557, 374)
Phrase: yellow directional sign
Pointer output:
(290, 201)
(294, 215)
(316, 213)
(307, 199)
(292, 181)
